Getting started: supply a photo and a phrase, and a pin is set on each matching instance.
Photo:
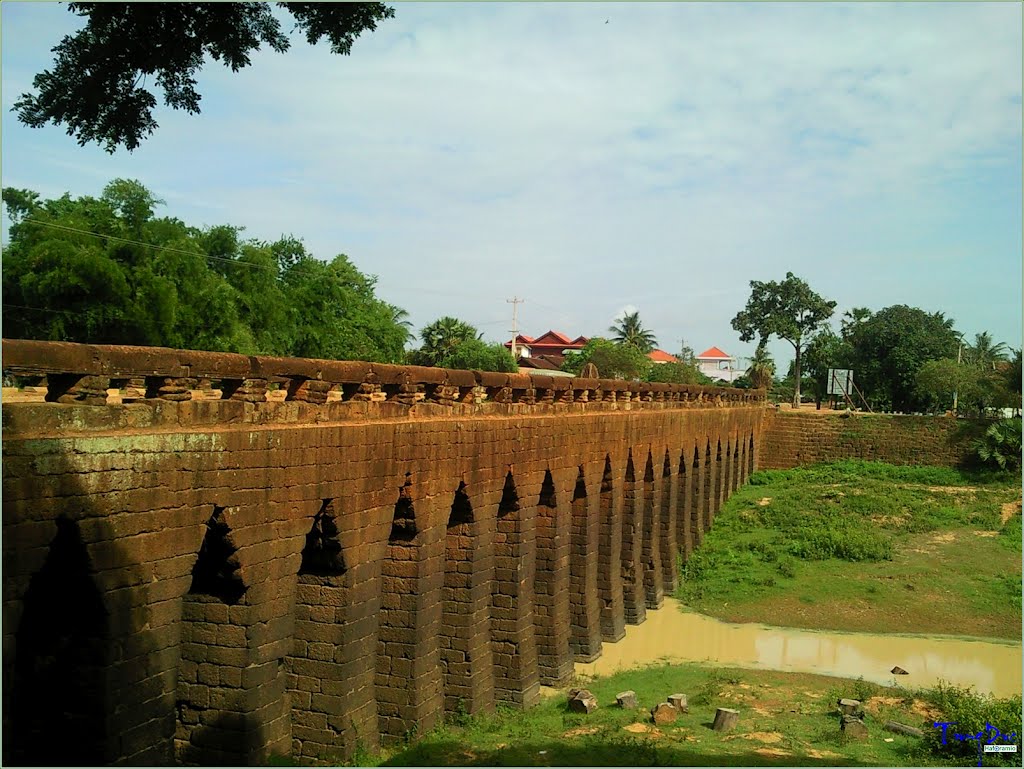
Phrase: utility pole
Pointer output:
(515, 301)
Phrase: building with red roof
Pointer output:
(717, 364)
(551, 346)
(660, 356)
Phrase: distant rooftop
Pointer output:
(660, 356)
(713, 353)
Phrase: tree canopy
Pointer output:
(888, 348)
(761, 371)
(108, 270)
(452, 343)
(788, 309)
(98, 84)
(986, 352)
(677, 373)
(825, 350)
(614, 360)
(630, 330)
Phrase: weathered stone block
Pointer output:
(663, 713)
(627, 699)
(853, 728)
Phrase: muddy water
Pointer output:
(670, 634)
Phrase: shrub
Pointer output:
(972, 712)
(1000, 446)
(846, 544)
(787, 566)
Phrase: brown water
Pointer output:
(673, 635)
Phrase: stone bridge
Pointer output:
(214, 558)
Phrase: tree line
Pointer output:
(109, 270)
(904, 358)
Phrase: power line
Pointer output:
(51, 310)
(143, 244)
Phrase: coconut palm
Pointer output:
(401, 317)
(762, 369)
(630, 330)
(442, 337)
(986, 353)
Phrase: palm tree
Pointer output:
(984, 352)
(443, 336)
(401, 317)
(762, 369)
(630, 330)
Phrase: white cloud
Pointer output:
(465, 153)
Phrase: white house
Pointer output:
(718, 365)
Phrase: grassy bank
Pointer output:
(865, 546)
(786, 719)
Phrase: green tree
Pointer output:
(442, 337)
(481, 356)
(452, 343)
(938, 380)
(401, 317)
(19, 203)
(1000, 446)
(337, 314)
(97, 86)
(109, 271)
(630, 330)
(826, 350)
(985, 352)
(676, 373)
(788, 309)
(889, 348)
(262, 303)
(853, 318)
(133, 202)
(761, 371)
(614, 360)
(1012, 377)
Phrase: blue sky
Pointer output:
(466, 153)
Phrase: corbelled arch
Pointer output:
(466, 651)
(650, 553)
(63, 651)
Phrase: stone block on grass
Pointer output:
(853, 728)
(725, 719)
(627, 699)
(848, 707)
(583, 702)
(664, 713)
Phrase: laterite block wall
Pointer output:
(793, 439)
(217, 581)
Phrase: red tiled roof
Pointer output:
(539, 363)
(552, 337)
(714, 352)
(660, 356)
(521, 339)
(551, 340)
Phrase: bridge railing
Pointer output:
(84, 373)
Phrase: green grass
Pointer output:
(786, 719)
(904, 542)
